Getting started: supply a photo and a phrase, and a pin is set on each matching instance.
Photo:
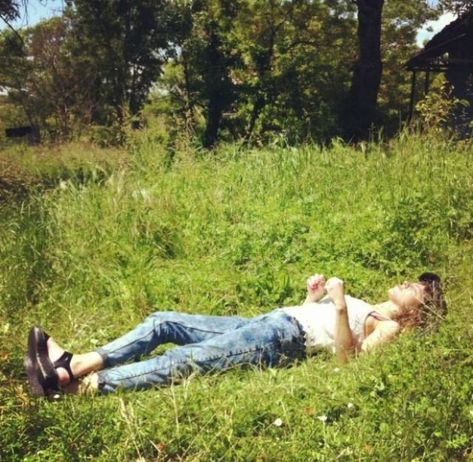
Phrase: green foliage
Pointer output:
(439, 111)
(25, 169)
(128, 42)
(9, 9)
(47, 80)
(92, 66)
(220, 70)
(99, 244)
(12, 116)
(259, 69)
(401, 21)
(262, 70)
(457, 6)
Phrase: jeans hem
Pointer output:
(103, 354)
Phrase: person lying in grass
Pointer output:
(328, 319)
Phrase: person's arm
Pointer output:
(344, 343)
(384, 332)
(315, 288)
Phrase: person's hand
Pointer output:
(315, 288)
(334, 288)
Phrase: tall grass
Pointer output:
(238, 232)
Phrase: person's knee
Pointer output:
(163, 321)
(161, 316)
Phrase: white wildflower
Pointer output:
(322, 418)
(350, 405)
(278, 422)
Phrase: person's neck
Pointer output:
(388, 309)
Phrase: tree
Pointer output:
(96, 64)
(296, 56)
(458, 6)
(9, 9)
(14, 72)
(207, 57)
(281, 67)
(400, 24)
(128, 41)
(215, 66)
(45, 77)
(61, 85)
(310, 69)
(396, 25)
(360, 112)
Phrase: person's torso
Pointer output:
(318, 321)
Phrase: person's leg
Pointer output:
(81, 364)
(166, 327)
(156, 329)
(268, 340)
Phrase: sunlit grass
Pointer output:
(237, 232)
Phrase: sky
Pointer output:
(43, 9)
(432, 27)
(36, 11)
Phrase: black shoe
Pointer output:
(40, 370)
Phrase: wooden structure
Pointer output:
(451, 52)
(28, 133)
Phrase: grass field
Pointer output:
(92, 241)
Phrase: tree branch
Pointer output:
(12, 28)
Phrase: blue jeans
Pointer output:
(207, 343)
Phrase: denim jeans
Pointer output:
(206, 344)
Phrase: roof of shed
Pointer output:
(434, 55)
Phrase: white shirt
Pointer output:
(318, 321)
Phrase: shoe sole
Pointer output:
(30, 365)
(42, 375)
(46, 370)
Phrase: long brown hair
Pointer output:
(413, 317)
(434, 309)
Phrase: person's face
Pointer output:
(408, 294)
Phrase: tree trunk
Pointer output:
(218, 88)
(264, 64)
(214, 117)
(360, 113)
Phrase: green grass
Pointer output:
(87, 255)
